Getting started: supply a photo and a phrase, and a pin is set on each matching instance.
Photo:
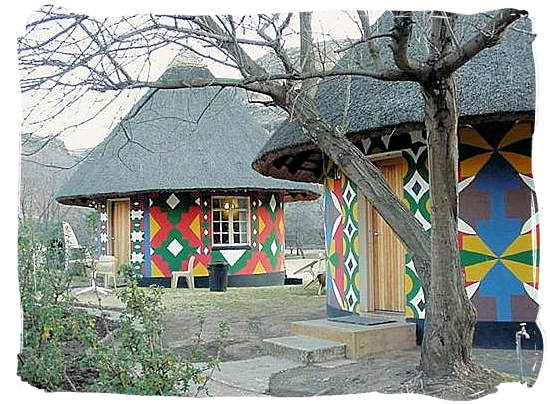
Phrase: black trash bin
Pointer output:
(217, 276)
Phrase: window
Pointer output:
(230, 224)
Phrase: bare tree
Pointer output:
(81, 53)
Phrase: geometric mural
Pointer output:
(175, 234)
(342, 240)
(416, 193)
(499, 231)
(498, 219)
(166, 229)
(137, 235)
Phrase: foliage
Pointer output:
(42, 283)
(61, 342)
(138, 363)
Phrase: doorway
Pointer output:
(119, 230)
(386, 254)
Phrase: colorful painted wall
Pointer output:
(498, 220)
(342, 240)
(168, 228)
(499, 229)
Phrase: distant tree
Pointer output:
(41, 176)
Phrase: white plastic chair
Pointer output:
(186, 274)
(72, 248)
(106, 267)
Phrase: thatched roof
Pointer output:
(185, 139)
(498, 81)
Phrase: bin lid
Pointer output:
(218, 264)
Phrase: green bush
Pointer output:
(63, 347)
(43, 282)
(138, 363)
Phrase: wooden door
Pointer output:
(388, 254)
(120, 231)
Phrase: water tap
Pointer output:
(522, 332)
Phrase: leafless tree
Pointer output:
(72, 53)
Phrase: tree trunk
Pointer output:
(359, 169)
(450, 316)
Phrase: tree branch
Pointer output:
(486, 38)
(400, 45)
(263, 84)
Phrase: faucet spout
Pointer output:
(523, 332)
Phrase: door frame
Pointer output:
(366, 242)
(109, 209)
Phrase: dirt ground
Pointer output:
(387, 372)
(252, 315)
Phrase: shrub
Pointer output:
(63, 347)
(138, 363)
(43, 282)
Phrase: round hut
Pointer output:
(368, 269)
(174, 181)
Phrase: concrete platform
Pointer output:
(305, 349)
(250, 376)
(360, 340)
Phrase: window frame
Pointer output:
(231, 220)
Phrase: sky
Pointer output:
(327, 25)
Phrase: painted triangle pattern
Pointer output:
(342, 241)
(175, 234)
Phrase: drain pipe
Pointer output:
(521, 333)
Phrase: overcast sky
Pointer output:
(325, 25)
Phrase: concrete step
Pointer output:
(360, 340)
(305, 349)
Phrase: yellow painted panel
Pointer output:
(408, 284)
(259, 269)
(521, 163)
(472, 165)
(518, 132)
(282, 226)
(155, 271)
(199, 269)
(520, 244)
(195, 226)
(523, 272)
(356, 245)
(471, 137)
(355, 211)
(475, 244)
(153, 226)
(261, 225)
(476, 272)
